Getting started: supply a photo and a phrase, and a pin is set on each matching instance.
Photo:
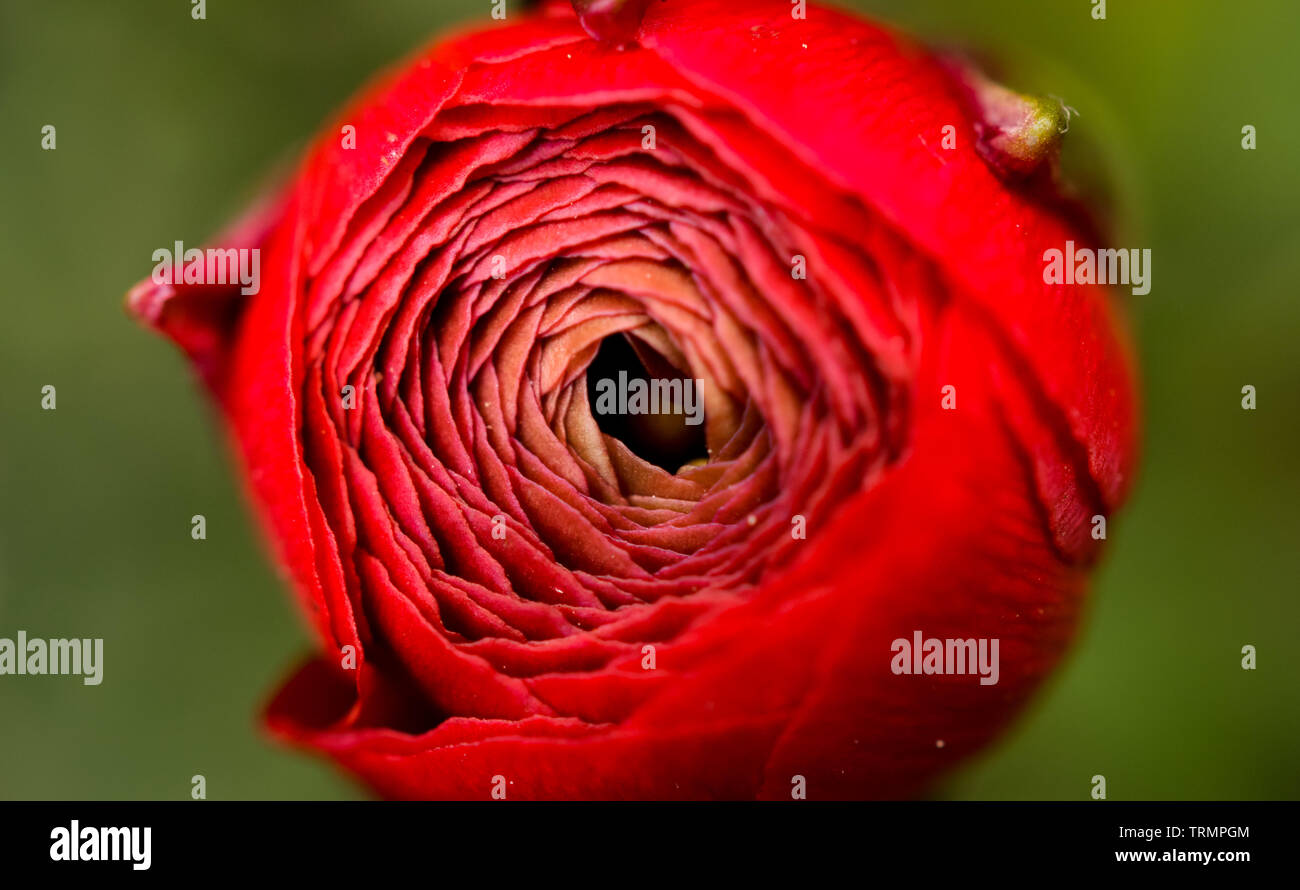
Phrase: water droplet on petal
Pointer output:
(611, 21)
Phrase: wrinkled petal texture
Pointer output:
(504, 571)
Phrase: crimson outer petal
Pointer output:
(981, 530)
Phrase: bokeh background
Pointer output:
(167, 125)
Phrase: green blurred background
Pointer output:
(166, 126)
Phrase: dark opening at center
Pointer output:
(658, 413)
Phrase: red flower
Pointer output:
(510, 600)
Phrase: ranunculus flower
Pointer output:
(907, 430)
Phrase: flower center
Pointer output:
(637, 396)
